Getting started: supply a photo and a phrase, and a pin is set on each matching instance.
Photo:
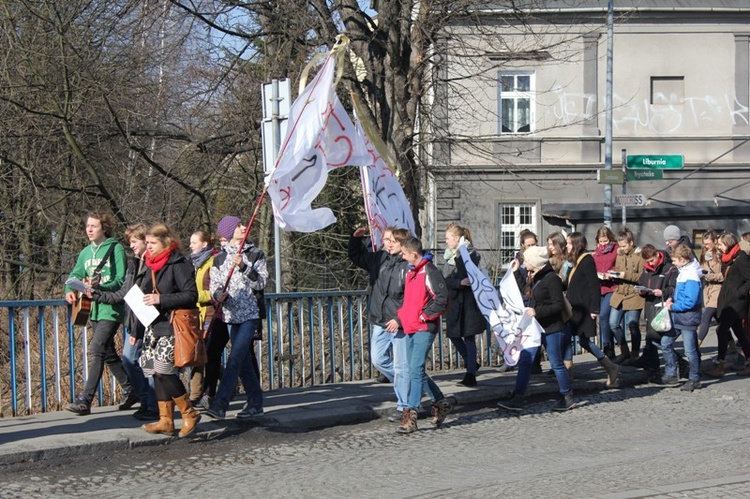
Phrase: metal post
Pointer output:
(624, 184)
(608, 117)
(276, 131)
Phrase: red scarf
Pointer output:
(728, 257)
(158, 261)
(659, 262)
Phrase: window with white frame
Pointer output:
(516, 105)
(513, 219)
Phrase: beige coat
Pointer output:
(630, 266)
(712, 282)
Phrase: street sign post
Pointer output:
(630, 200)
(644, 174)
(660, 162)
(609, 176)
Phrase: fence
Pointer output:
(309, 338)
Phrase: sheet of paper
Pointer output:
(145, 313)
(76, 284)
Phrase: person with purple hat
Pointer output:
(241, 312)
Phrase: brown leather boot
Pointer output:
(165, 425)
(408, 422)
(190, 417)
(717, 371)
(613, 372)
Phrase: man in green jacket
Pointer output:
(105, 319)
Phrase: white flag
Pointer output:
(385, 202)
(320, 137)
(513, 329)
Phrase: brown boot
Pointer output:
(165, 425)
(613, 372)
(408, 422)
(745, 371)
(190, 417)
(624, 353)
(717, 371)
(440, 410)
(569, 366)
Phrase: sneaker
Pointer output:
(216, 412)
(204, 403)
(396, 416)
(468, 380)
(143, 414)
(691, 385)
(739, 363)
(670, 381)
(79, 406)
(440, 409)
(129, 402)
(249, 412)
(566, 403)
(514, 403)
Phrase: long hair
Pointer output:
(578, 244)
(558, 241)
(729, 240)
(459, 231)
(204, 237)
(715, 253)
(163, 233)
(605, 231)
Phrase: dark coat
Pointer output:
(584, 296)
(735, 288)
(387, 276)
(547, 299)
(177, 289)
(133, 276)
(663, 277)
(463, 317)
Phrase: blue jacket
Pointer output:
(687, 298)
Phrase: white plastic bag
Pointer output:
(662, 323)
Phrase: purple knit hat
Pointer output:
(227, 225)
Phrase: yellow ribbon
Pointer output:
(338, 51)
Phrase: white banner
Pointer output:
(320, 137)
(385, 202)
(513, 329)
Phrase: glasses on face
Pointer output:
(388, 240)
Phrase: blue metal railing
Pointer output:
(311, 338)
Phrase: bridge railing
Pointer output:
(309, 338)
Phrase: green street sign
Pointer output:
(659, 162)
(644, 174)
(609, 176)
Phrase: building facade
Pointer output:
(520, 120)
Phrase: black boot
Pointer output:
(609, 350)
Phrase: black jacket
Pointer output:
(584, 296)
(463, 317)
(177, 289)
(547, 299)
(387, 274)
(733, 297)
(663, 277)
(133, 276)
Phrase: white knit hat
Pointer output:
(536, 256)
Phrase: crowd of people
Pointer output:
(230, 307)
(572, 292)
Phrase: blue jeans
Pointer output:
(381, 351)
(605, 330)
(240, 365)
(524, 370)
(586, 344)
(467, 348)
(417, 346)
(690, 342)
(556, 344)
(142, 386)
(631, 319)
(400, 369)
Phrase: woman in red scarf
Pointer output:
(169, 284)
(732, 305)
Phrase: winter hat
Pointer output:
(227, 225)
(672, 233)
(536, 256)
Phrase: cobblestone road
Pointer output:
(637, 442)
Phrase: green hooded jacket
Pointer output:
(112, 276)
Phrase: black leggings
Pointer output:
(708, 314)
(731, 320)
(214, 349)
(168, 387)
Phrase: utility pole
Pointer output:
(608, 116)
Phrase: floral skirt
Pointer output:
(157, 355)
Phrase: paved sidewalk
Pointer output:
(62, 434)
